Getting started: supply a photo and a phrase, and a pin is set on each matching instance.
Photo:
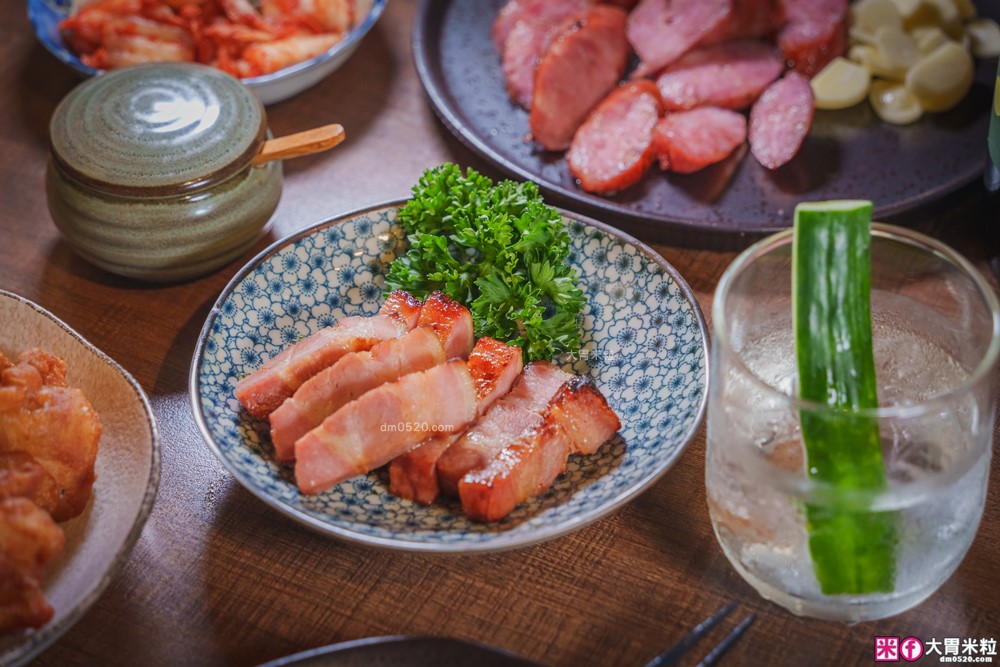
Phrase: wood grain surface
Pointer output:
(220, 579)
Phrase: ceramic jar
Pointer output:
(150, 173)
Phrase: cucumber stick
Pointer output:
(852, 548)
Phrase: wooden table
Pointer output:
(219, 578)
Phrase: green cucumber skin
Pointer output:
(853, 552)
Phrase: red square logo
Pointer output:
(887, 649)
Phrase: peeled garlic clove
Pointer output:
(859, 36)
(966, 10)
(870, 15)
(941, 79)
(840, 84)
(908, 8)
(928, 38)
(872, 60)
(898, 50)
(984, 37)
(894, 104)
(941, 13)
(861, 53)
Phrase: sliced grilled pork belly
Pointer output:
(346, 380)
(583, 415)
(730, 75)
(444, 331)
(815, 34)
(577, 420)
(688, 141)
(661, 31)
(384, 423)
(414, 474)
(266, 388)
(451, 322)
(514, 414)
(613, 149)
(494, 366)
(529, 38)
(780, 120)
(583, 62)
(402, 307)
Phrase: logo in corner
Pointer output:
(911, 648)
(887, 649)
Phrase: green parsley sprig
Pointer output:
(498, 249)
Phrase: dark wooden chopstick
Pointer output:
(715, 655)
(672, 654)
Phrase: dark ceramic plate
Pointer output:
(403, 652)
(848, 154)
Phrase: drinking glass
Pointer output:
(935, 334)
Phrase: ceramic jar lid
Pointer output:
(157, 129)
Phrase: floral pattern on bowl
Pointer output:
(644, 343)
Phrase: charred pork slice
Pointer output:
(266, 388)
(528, 39)
(348, 379)
(780, 120)
(516, 413)
(688, 141)
(730, 75)
(815, 34)
(414, 474)
(444, 331)
(577, 420)
(661, 31)
(494, 367)
(583, 62)
(451, 322)
(614, 147)
(384, 423)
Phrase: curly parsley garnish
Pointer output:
(498, 249)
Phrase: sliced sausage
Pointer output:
(687, 141)
(585, 60)
(614, 147)
(528, 40)
(661, 31)
(780, 120)
(507, 18)
(749, 18)
(730, 75)
(815, 34)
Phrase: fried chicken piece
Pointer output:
(55, 424)
(29, 539)
(21, 476)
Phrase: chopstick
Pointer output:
(672, 654)
(715, 655)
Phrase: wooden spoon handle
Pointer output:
(299, 144)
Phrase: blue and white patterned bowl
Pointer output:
(644, 343)
(45, 16)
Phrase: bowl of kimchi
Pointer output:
(278, 48)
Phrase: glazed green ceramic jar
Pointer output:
(150, 173)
